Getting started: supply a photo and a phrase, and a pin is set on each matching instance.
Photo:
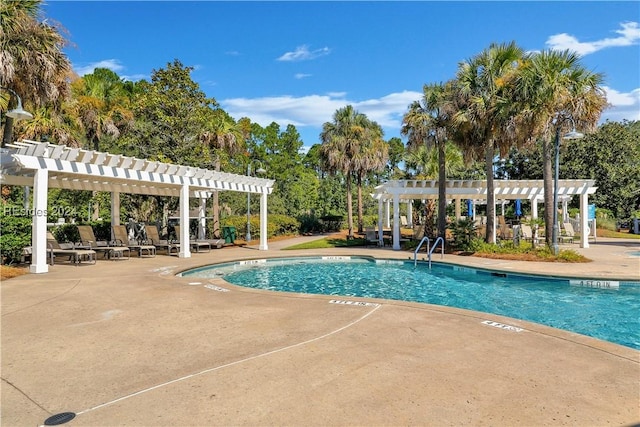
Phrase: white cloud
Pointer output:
(112, 64)
(624, 106)
(300, 76)
(312, 111)
(302, 53)
(629, 34)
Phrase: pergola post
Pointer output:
(39, 222)
(396, 222)
(263, 223)
(387, 214)
(410, 213)
(202, 221)
(183, 238)
(380, 234)
(584, 220)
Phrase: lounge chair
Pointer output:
(122, 238)
(77, 255)
(110, 250)
(527, 233)
(153, 238)
(196, 245)
(568, 233)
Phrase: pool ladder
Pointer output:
(429, 250)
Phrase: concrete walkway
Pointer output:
(128, 343)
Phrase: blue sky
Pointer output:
(298, 62)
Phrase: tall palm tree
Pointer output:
(426, 124)
(102, 105)
(483, 81)
(426, 161)
(553, 89)
(372, 156)
(341, 140)
(31, 59)
(227, 138)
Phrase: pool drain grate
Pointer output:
(61, 418)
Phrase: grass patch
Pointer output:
(603, 232)
(328, 242)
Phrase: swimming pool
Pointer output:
(607, 310)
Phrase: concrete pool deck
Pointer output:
(126, 342)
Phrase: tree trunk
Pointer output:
(547, 176)
(491, 197)
(7, 134)
(360, 213)
(442, 191)
(349, 206)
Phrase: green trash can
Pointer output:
(229, 234)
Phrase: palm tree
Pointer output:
(486, 119)
(102, 105)
(31, 60)
(341, 141)
(554, 90)
(426, 161)
(426, 123)
(227, 138)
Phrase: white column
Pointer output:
(584, 220)
(458, 207)
(534, 208)
(183, 238)
(263, 223)
(495, 223)
(202, 221)
(39, 222)
(565, 209)
(380, 213)
(387, 214)
(396, 222)
(410, 213)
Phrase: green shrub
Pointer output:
(15, 234)
(277, 225)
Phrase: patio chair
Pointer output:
(370, 237)
(122, 238)
(77, 255)
(196, 245)
(567, 234)
(153, 238)
(110, 250)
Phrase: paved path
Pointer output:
(127, 342)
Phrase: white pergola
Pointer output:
(42, 165)
(457, 190)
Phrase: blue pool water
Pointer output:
(589, 308)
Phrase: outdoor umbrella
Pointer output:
(469, 208)
(518, 208)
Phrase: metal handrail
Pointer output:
(415, 253)
(435, 244)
